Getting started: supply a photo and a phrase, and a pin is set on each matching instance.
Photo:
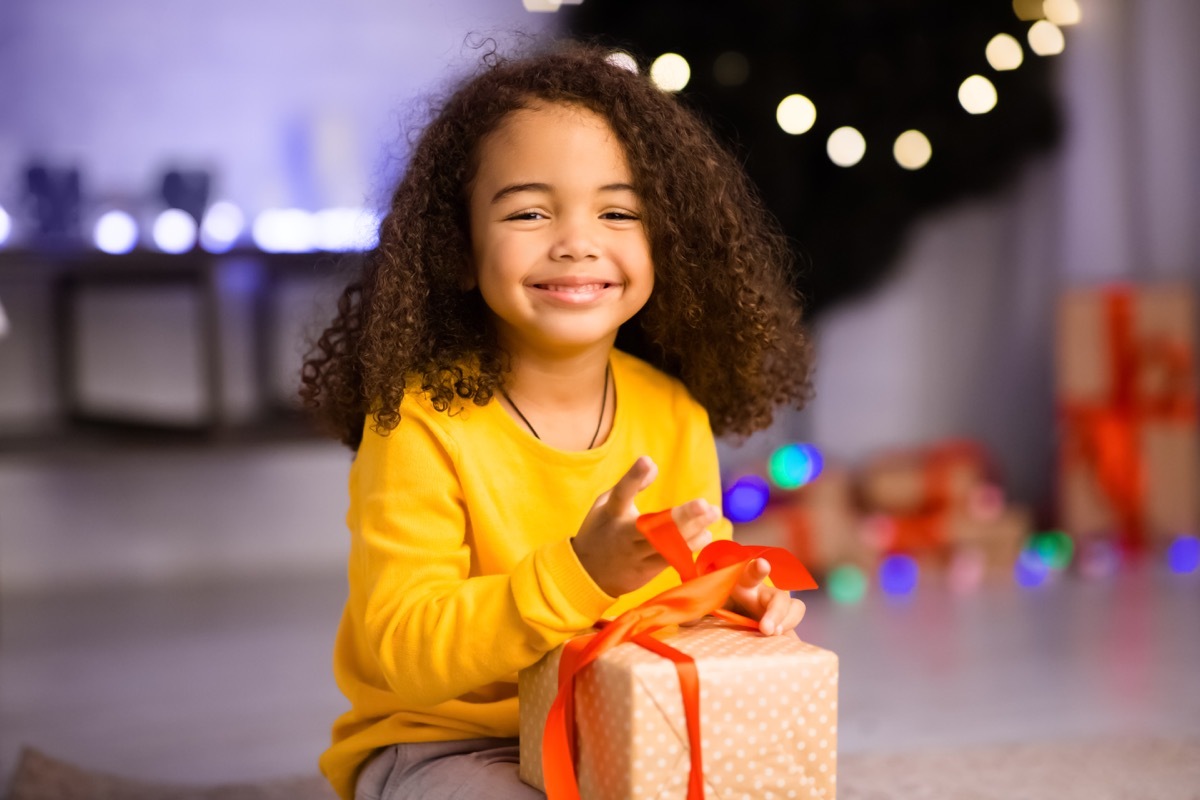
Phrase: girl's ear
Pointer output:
(467, 282)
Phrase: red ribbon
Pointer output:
(1106, 435)
(707, 584)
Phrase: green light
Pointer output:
(846, 584)
(1054, 548)
(794, 465)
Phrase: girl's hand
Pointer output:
(775, 609)
(611, 548)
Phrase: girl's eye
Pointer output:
(619, 215)
(526, 215)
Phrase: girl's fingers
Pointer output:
(691, 519)
(783, 613)
(756, 572)
(639, 476)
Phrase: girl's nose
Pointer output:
(574, 241)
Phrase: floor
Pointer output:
(231, 682)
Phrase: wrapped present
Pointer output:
(588, 710)
(922, 481)
(768, 718)
(818, 523)
(1129, 459)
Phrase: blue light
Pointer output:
(1183, 556)
(5, 226)
(174, 231)
(221, 227)
(898, 575)
(746, 498)
(1031, 570)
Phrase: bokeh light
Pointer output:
(796, 114)
(912, 149)
(1062, 12)
(619, 58)
(1028, 9)
(846, 584)
(116, 232)
(670, 72)
(898, 575)
(794, 465)
(1183, 556)
(5, 226)
(746, 498)
(283, 230)
(341, 230)
(846, 146)
(1054, 548)
(174, 231)
(1046, 38)
(977, 95)
(1029, 570)
(221, 227)
(731, 68)
(1004, 52)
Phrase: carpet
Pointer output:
(1101, 769)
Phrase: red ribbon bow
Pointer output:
(707, 584)
(1105, 435)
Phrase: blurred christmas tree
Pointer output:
(883, 67)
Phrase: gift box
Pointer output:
(818, 523)
(922, 480)
(768, 718)
(1129, 458)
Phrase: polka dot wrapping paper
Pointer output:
(768, 719)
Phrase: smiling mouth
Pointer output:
(583, 289)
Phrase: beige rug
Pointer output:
(1103, 769)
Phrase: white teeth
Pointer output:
(591, 287)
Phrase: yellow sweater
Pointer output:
(461, 570)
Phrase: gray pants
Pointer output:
(460, 770)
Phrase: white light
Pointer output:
(1063, 12)
(5, 226)
(912, 149)
(977, 95)
(619, 58)
(223, 223)
(345, 229)
(670, 72)
(1004, 52)
(115, 232)
(542, 5)
(1046, 38)
(796, 114)
(846, 146)
(284, 230)
(174, 231)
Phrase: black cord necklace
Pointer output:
(599, 422)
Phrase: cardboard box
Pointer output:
(922, 481)
(768, 718)
(1126, 386)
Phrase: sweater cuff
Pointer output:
(577, 586)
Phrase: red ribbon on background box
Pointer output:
(707, 584)
(1105, 435)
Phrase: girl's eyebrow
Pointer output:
(545, 187)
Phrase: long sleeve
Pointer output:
(438, 631)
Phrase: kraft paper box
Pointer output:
(768, 718)
(820, 525)
(915, 481)
(1158, 333)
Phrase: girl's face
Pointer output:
(561, 254)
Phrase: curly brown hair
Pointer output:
(723, 316)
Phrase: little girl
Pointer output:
(574, 289)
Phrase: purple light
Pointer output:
(745, 500)
(898, 575)
(1030, 570)
(1183, 556)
